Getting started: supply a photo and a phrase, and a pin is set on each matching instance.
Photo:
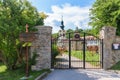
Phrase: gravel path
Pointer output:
(63, 62)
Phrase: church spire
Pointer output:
(62, 24)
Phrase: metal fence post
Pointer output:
(84, 52)
(102, 53)
(69, 52)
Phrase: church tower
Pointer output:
(62, 34)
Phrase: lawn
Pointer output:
(90, 57)
(17, 74)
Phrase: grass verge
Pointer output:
(18, 73)
(116, 66)
(90, 57)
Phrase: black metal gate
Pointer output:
(76, 50)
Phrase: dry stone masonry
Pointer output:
(42, 47)
(110, 56)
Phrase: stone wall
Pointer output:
(117, 52)
(42, 47)
(110, 56)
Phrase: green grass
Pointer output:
(89, 56)
(116, 66)
(17, 74)
(3, 68)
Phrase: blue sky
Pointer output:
(75, 12)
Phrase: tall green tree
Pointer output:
(105, 13)
(14, 15)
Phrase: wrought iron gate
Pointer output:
(76, 50)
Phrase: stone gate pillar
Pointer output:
(109, 35)
(42, 47)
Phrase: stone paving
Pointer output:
(82, 74)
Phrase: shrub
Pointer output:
(55, 51)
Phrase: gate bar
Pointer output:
(51, 54)
(84, 52)
(69, 52)
(102, 53)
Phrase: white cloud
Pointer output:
(73, 16)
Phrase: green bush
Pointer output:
(116, 66)
(55, 51)
(32, 61)
(15, 14)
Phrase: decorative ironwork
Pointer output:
(78, 51)
(77, 36)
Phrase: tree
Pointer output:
(69, 31)
(55, 35)
(105, 13)
(41, 18)
(14, 15)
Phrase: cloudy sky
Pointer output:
(75, 12)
